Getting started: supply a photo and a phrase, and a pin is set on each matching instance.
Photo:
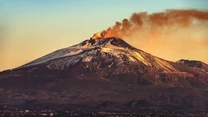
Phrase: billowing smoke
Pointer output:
(172, 34)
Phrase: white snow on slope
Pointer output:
(83, 51)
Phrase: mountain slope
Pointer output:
(101, 48)
(95, 73)
(112, 57)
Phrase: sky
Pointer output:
(30, 29)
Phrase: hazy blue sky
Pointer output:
(32, 28)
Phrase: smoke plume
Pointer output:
(172, 34)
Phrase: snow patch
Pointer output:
(87, 59)
(73, 52)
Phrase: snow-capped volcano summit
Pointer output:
(81, 48)
(102, 54)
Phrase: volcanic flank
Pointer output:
(102, 73)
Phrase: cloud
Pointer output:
(171, 34)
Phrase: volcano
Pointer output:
(106, 74)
